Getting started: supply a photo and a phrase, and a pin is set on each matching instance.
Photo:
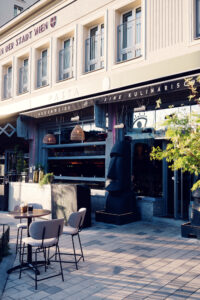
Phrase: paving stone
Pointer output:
(132, 261)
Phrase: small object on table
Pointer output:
(30, 207)
(23, 209)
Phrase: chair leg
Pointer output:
(81, 247)
(17, 240)
(21, 255)
(74, 253)
(21, 238)
(45, 259)
(48, 260)
(61, 269)
(36, 269)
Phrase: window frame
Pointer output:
(7, 77)
(42, 80)
(23, 88)
(134, 48)
(17, 10)
(66, 73)
(197, 19)
(98, 58)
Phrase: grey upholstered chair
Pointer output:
(74, 226)
(23, 225)
(43, 236)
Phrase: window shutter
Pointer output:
(20, 80)
(44, 67)
(87, 47)
(5, 87)
(118, 43)
(9, 83)
(25, 79)
(66, 58)
(39, 71)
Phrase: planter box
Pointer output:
(190, 231)
(150, 207)
(60, 199)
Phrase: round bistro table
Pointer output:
(29, 215)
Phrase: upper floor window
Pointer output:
(129, 35)
(197, 18)
(8, 83)
(23, 77)
(17, 10)
(94, 49)
(66, 60)
(42, 69)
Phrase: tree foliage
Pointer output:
(183, 135)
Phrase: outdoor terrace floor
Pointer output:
(134, 261)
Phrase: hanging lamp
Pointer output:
(77, 134)
(49, 139)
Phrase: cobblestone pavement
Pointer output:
(133, 261)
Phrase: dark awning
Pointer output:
(143, 90)
(59, 109)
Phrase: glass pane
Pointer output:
(26, 62)
(5, 85)
(138, 26)
(147, 174)
(102, 40)
(67, 43)
(44, 64)
(78, 168)
(25, 75)
(93, 43)
(39, 65)
(126, 29)
(67, 58)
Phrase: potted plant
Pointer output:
(46, 179)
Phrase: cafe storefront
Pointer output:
(135, 113)
(138, 114)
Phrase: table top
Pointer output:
(30, 214)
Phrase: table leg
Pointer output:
(29, 252)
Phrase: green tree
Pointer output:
(183, 135)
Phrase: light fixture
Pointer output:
(119, 126)
(75, 118)
(77, 134)
(49, 139)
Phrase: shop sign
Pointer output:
(142, 92)
(36, 31)
(60, 109)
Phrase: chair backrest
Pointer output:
(75, 219)
(83, 213)
(53, 228)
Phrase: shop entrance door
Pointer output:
(179, 194)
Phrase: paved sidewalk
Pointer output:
(134, 261)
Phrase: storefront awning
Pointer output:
(130, 94)
(59, 109)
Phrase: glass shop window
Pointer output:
(147, 174)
